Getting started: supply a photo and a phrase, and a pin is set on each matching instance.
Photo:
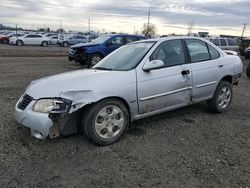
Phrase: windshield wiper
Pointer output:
(102, 68)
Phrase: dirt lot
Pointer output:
(189, 147)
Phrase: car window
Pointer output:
(131, 39)
(54, 37)
(126, 57)
(245, 42)
(232, 42)
(198, 50)
(170, 52)
(80, 37)
(33, 36)
(213, 52)
(216, 42)
(117, 41)
(223, 42)
(29, 36)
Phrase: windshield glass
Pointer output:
(101, 39)
(126, 57)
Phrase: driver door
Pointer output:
(167, 87)
(114, 43)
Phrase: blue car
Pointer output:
(91, 53)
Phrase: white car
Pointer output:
(30, 39)
(137, 80)
(53, 39)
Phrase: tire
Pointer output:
(246, 56)
(6, 41)
(248, 70)
(65, 44)
(222, 97)
(19, 43)
(100, 121)
(94, 59)
(44, 44)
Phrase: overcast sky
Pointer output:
(215, 16)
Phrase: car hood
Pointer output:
(80, 80)
(80, 45)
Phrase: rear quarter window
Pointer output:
(213, 52)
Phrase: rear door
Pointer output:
(205, 66)
(28, 39)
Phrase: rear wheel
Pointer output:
(222, 97)
(5, 41)
(19, 43)
(44, 43)
(106, 121)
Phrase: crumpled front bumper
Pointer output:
(39, 123)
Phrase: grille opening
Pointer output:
(24, 102)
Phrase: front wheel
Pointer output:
(19, 43)
(106, 121)
(94, 59)
(65, 44)
(222, 97)
(44, 43)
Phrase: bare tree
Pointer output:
(149, 29)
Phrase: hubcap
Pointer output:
(224, 97)
(95, 59)
(109, 122)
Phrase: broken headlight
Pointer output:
(51, 105)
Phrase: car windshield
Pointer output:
(101, 39)
(125, 58)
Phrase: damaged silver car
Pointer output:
(138, 80)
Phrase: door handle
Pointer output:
(185, 72)
(220, 66)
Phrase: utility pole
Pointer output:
(89, 24)
(148, 22)
(243, 30)
(190, 27)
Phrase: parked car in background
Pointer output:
(66, 40)
(138, 80)
(225, 43)
(4, 39)
(54, 39)
(30, 39)
(91, 53)
(244, 43)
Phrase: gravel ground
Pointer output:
(189, 147)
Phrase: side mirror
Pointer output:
(154, 64)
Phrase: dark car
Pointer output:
(248, 70)
(247, 53)
(244, 43)
(91, 53)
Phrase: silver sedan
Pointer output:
(138, 80)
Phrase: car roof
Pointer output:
(125, 35)
(172, 38)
